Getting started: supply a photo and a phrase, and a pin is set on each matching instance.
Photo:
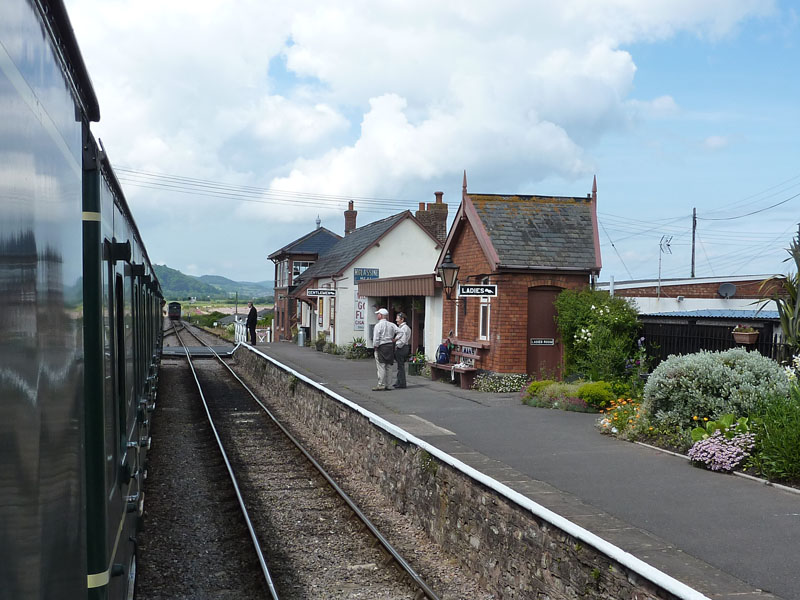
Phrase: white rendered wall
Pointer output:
(406, 250)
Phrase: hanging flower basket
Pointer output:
(745, 335)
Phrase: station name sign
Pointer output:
(317, 292)
(477, 290)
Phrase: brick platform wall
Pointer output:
(514, 553)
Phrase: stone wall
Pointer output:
(515, 553)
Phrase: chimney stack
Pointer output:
(434, 218)
(349, 219)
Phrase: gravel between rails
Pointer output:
(166, 540)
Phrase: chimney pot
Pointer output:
(422, 206)
(438, 197)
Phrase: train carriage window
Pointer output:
(110, 385)
(119, 310)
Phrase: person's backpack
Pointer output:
(443, 354)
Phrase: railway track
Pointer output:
(311, 539)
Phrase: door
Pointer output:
(544, 357)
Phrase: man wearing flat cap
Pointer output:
(383, 343)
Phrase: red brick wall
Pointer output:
(508, 327)
(744, 289)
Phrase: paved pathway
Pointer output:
(725, 536)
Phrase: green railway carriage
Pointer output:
(80, 328)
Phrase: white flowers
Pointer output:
(584, 335)
(793, 369)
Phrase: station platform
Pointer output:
(728, 537)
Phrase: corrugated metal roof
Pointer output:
(414, 285)
(711, 313)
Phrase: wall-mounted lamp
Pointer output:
(448, 271)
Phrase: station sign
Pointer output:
(317, 292)
(543, 342)
(477, 290)
(365, 273)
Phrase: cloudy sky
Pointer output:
(233, 123)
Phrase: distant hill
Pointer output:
(245, 288)
(176, 285)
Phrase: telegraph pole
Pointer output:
(694, 232)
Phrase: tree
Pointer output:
(784, 291)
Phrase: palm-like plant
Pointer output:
(784, 291)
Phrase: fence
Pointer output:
(240, 333)
(664, 338)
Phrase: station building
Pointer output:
(330, 300)
(522, 251)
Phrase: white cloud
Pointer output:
(371, 98)
(716, 142)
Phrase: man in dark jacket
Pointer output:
(252, 319)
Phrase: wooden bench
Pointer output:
(467, 353)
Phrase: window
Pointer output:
(484, 318)
(299, 267)
(282, 279)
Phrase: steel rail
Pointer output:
(398, 558)
(248, 522)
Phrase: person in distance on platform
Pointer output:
(402, 339)
(383, 343)
(252, 319)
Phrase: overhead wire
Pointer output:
(204, 187)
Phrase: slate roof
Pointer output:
(539, 231)
(315, 242)
(348, 248)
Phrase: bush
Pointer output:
(597, 394)
(535, 387)
(556, 395)
(777, 429)
(711, 384)
(599, 332)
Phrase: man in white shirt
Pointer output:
(402, 349)
(383, 343)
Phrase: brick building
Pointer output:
(737, 292)
(291, 261)
(530, 248)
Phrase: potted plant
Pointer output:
(415, 363)
(744, 334)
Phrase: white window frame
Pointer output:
(486, 303)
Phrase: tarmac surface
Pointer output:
(728, 537)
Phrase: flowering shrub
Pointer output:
(498, 384)
(598, 332)
(712, 384)
(720, 453)
(622, 414)
(793, 369)
(356, 349)
(417, 357)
